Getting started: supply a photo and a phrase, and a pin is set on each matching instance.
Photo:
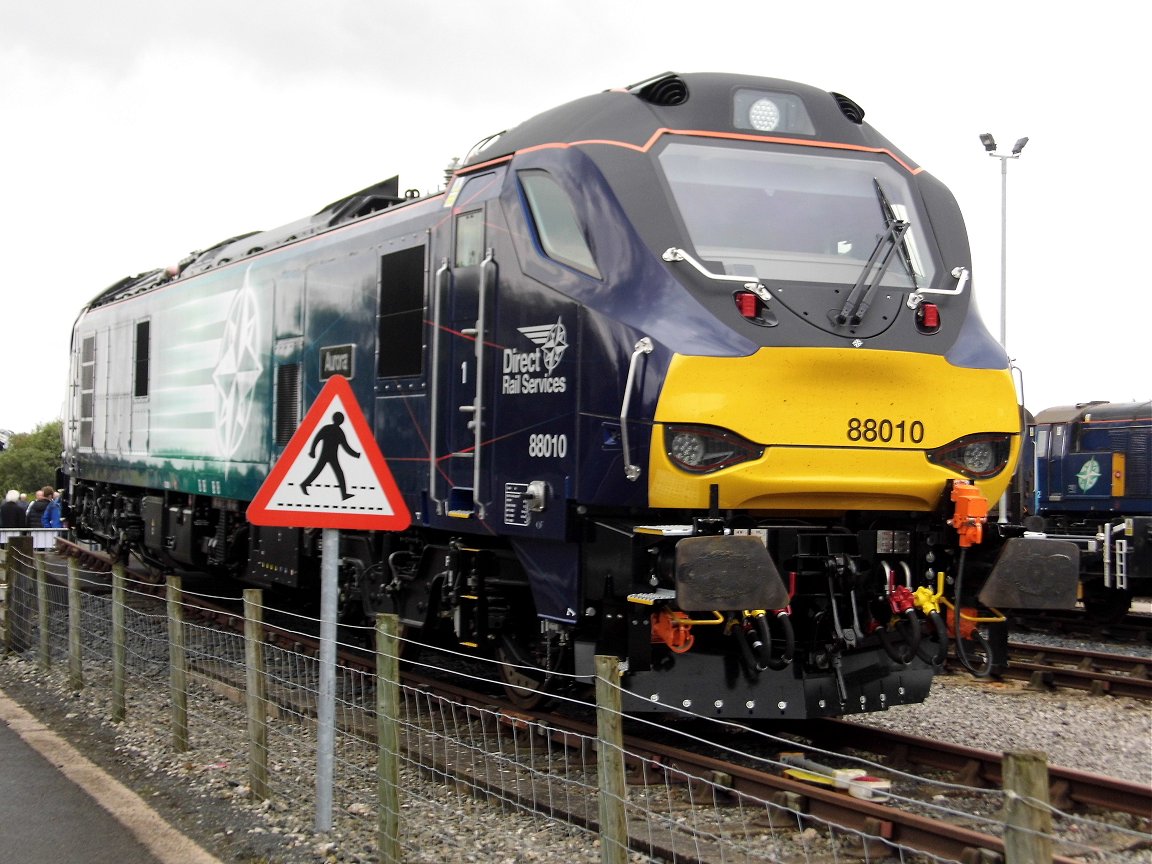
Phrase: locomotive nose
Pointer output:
(830, 430)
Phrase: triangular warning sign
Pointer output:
(332, 474)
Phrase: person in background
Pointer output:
(12, 511)
(35, 514)
(51, 517)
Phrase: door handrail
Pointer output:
(443, 273)
(487, 271)
(644, 346)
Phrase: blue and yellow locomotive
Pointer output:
(1091, 483)
(687, 372)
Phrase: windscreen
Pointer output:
(776, 214)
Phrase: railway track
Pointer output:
(1053, 667)
(1135, 627)
(1044, 666)
(1069, 789)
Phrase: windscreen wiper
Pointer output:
(860, 297)
(889, 217)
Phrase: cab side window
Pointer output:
(558, 231)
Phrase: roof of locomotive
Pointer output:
(380, 196)
(1098, 411)
(694, 101)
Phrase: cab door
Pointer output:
(1057, 454)
(464, 295)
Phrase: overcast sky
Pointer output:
(133, 131)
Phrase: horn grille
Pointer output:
(849, 108)
(667, 90)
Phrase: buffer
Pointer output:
(332, 473)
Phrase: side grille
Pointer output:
(287, 402)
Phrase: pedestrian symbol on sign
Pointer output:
(331, 440)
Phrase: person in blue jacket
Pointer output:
(51, 517)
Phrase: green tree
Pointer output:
(31, 460)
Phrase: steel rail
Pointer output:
(974, 767)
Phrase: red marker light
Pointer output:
(746, 303)
(928, 318)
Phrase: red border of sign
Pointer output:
(399, 519)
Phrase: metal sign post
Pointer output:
(333, 443)
(326, 697)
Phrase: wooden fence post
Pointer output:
(75, 611)
(177, 665)
(119, 644)
(610, 762)
(388, 738)
(257, 697)
(1027, 816)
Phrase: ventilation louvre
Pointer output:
(849, 108)
(667, 90)
(287, 402)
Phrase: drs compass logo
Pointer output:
(528, 372)
(1088, 475)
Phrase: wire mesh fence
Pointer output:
(424, 773)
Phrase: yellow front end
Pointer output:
(842, 429)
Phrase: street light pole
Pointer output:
(1003, 252)
(990, 146)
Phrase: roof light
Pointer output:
(771, 111)
(764, 115)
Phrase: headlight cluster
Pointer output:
(703, 449)
(974, 456)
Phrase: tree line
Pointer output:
(31, 459)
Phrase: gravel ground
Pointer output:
(1075, 729)
(204, 795)
(1098, 734)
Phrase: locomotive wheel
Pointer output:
(524, 687)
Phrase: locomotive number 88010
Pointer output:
(686, 372)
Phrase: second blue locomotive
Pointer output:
(1090, 480)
